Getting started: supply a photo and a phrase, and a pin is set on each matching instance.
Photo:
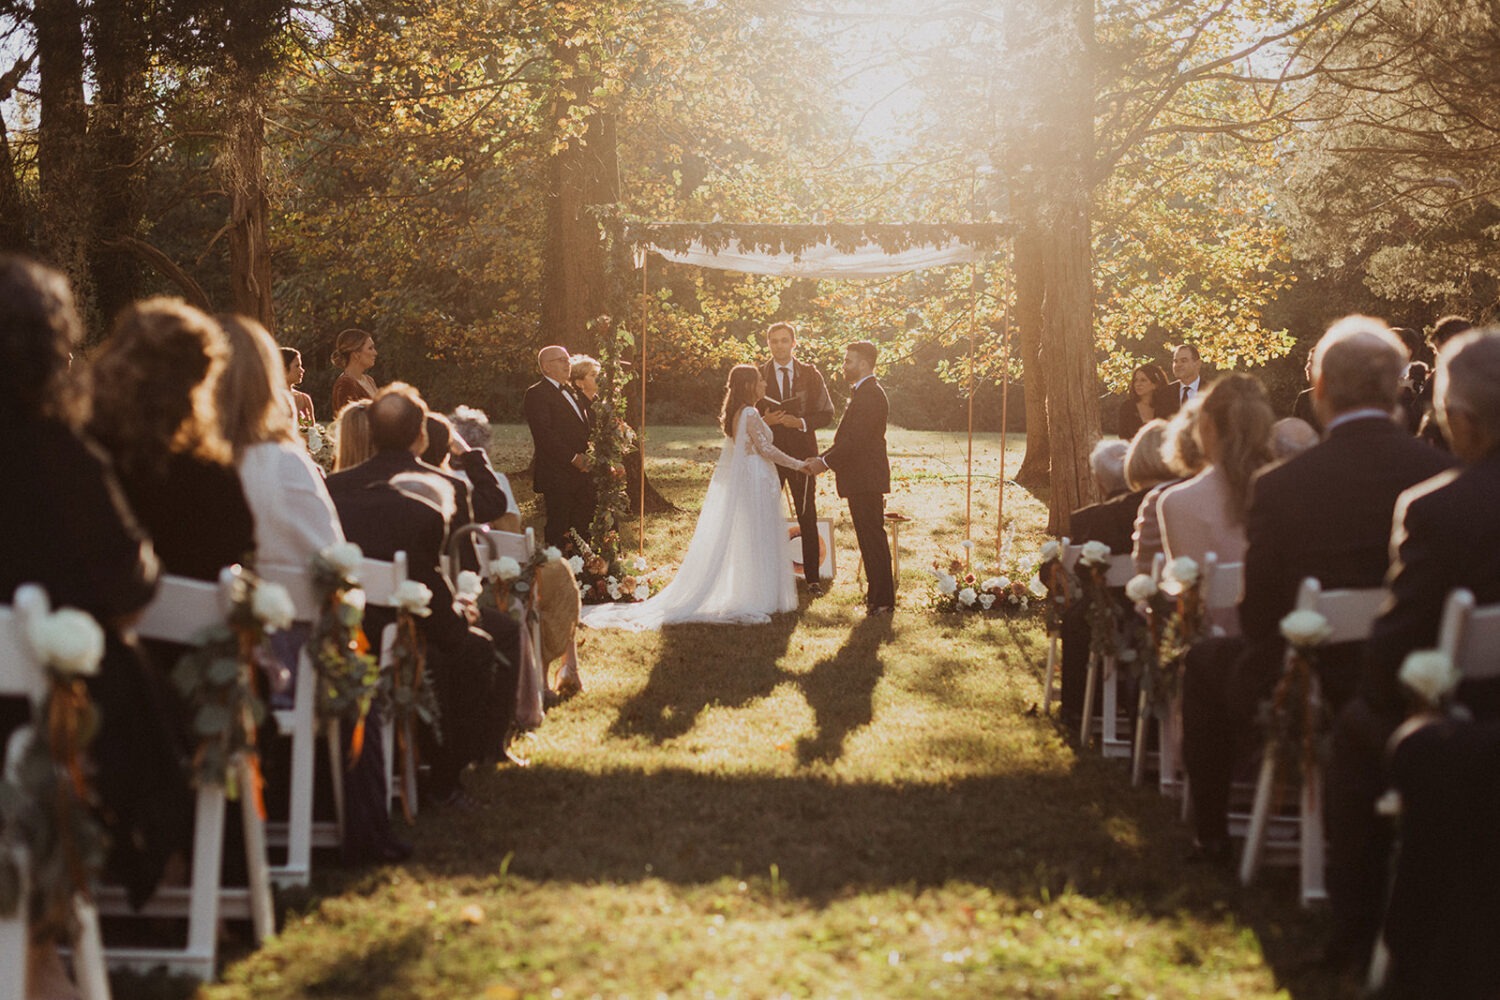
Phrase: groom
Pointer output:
(862, 472)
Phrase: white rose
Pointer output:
(986, 601)
(1037, 587)
(575, 564)
(1140, 588)
(612, 588)
(1094, 554)
(1181, 572)
(639, 564)
(551, 552)
(273, 606)
(642, 591)
(505, 569)
(967, 597)
(991, 583)
(1430, 674)
(414, 598)
(1049, 550)
(1305, 628)
(947, 585)
(314, 437)
(967, 545)
(69, 641)
(469, 584)
(344, 557)
(1025, 604)
(352, 608)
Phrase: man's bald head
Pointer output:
(553, 361)
(1357, 365)
(397, 418)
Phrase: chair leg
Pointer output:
(208, 855)
(1086, 727)
(1053, 639)
(1110, 710)
(335, 737)
(262, 912)
(1260, 817)
(409, 771)
(90, 974)
(1314, 886)
(388, 747)
(1143, 719)
(298, 867)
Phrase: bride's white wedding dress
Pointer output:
(736, 570)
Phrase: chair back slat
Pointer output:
(299, 584)
(1470, 635)
(1121, 570)
(1350, 612)
(1223, 583)
(182, 607)
(380, 579)
(21, 674)
(518, 545)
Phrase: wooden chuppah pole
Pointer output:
(1004, 406)
(969, 465)
(641, 437)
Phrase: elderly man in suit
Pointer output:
(798, 406)
(862, 471)
(393, 503)
(1445, 535)
(1325, 513)
(1187, 366)
(560, 438)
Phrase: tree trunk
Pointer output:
(584, 174)
(249, 208)
(12, 206)
(118, 136)
(62, 148)
(1028, 275)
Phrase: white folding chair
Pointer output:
(1104, 670)
(380, 581)
(21, 676)
(1050, 691)
(533, 681)
(1470, 636)
(181, 610)
(1350, 614)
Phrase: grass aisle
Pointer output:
(823, 806)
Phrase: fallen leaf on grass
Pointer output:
(472, 914)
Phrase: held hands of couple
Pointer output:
(813, 466)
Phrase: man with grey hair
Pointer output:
(1325, 513)
(1445, 535)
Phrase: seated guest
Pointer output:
(351, 436)
(1429, 428)
(1138, 408)
(1325, 514)
(1181, 454)
(64, 525)
(170, 456)
(1207, 513)
(473, 425)
(1446, 535)
(302, 404)
(1291, 436)
(387, 508)
(1302, 407)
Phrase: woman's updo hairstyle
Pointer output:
(346, 343)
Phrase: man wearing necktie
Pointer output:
(560, 438)
(805, 407)
(1187, 365)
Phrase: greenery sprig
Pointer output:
(348, 674)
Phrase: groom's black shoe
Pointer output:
(880, 611)
(815, 589)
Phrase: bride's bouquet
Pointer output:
(605, 576)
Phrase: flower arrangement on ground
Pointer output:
(606, 576)
(1004, 591)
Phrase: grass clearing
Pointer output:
(824, 806)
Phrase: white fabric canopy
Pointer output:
(823, 260)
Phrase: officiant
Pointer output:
(797, 404)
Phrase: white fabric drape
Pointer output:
(823, 260)
(736, 571)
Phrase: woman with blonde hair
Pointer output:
(154, 382)
(354, 352)
(1164, 451)
(294, 517)
(351, 435)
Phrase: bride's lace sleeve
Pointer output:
(758, 433)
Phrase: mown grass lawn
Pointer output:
(825, 806)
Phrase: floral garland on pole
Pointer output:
(1182, 624)
(1059, 583)
(957, 591)
(1105, 624)
(1295, 716)
(217, 677)
(348, 674)
(45, 813)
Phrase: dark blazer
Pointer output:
(1447, 535)
(1325, 513)
(1168, 398)
(858, 456)
(557, 434)
(1128, 418)
(171, 506)
(487, 499)
(815, 407)
(1111, 522)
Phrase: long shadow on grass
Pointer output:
(841, 691)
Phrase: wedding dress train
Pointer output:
(736, 570)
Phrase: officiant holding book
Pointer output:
(797, 404)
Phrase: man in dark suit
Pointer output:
(1187, 365)
(386, 505)
(560, 439)
(862, 471)
(1446, 535)
(1325, 513)
(806, 408)
(1428, 428)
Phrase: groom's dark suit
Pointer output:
(557, 434)
(815, 407)
(862, 473)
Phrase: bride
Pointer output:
(736, 570)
